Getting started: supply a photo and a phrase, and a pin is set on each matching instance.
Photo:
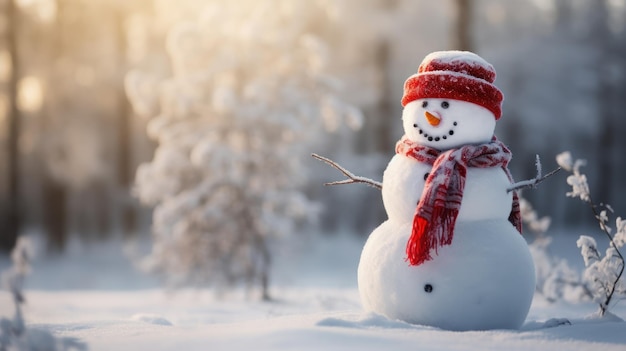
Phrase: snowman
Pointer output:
(450, 254)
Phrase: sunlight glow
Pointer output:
(545, 5)
(5, 66)
(84, 75)
(137, 37)
(44, 10)
(616, 15)
(30, 94)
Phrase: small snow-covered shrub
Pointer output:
(603, 273)
(555, 278)
(14, 334)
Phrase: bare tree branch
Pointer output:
(351, 178)
(532, 183)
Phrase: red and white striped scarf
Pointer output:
(437, 210)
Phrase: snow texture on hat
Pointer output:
(459, 75)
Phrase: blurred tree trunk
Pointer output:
(462, 33)
(54, 213)
(54, 191)
(124, 149)
(601, 38)
(101, 198)
(384, 131)
(563, 15)
(620, 105)
(13, 225)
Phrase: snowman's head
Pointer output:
(447, 123)
(451, 100)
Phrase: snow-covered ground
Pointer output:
(96, 296)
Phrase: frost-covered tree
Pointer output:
(603, 273)
(247, 96)
(14, 334)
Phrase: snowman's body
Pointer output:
(485, 195)
(485, 278)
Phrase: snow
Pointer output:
(316, 306)
(588, 249)
(451, 75)
(458, 56)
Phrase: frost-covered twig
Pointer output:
(532, 183)
(604, 272)
(351, 178)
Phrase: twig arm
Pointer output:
(532, 183)
(351, 178)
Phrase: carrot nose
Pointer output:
(432, 119)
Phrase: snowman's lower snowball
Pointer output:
(484, 280)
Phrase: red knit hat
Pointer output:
(459, 75)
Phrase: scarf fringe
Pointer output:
(427, 235)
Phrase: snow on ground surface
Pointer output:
(316, 307)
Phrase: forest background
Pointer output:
(79, 83)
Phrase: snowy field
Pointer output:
(96, 296)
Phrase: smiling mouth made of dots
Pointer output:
(431, 138)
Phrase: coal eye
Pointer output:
(445, 104)
(428, 288)
(424, 104)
